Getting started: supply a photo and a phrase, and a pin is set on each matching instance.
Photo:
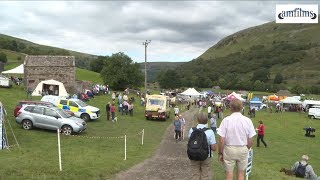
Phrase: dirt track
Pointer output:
(170, 160)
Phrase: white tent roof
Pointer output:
(16, 70)
(290, 100)
(238, 96)
(191, 92)
(62, 90)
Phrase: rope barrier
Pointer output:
(104, 137)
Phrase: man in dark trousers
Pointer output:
(108, 110)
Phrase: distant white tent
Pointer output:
(290, 100)
(191, 92)
(52, 87)
(235, 95)
(16, 70)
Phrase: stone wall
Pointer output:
(59, 68)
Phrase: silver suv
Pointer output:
(52, 118)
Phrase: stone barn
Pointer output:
(59, 68)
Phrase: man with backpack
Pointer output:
(201, 142)
(303, 170)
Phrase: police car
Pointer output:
(78, 107)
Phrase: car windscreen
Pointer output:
(156, 102)
(81, 103)
(63, 113)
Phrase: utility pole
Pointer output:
(145, 63)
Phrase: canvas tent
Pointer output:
(50, 87)
(255, 103)
(16, 70)
(235, 95)
(290, 100)
(191, 92)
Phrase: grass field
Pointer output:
(82, 158)
(102, 158)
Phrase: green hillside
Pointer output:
(14, 48)
(154, 68)
(289, 50)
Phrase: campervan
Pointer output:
(5, 82)
(310, 103)
(157, 107)
(314, 113)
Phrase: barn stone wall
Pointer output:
(59, 68)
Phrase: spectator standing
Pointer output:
(202, 169)
(125, 97)
(213, 124)
(183, 125)
(260, 130)
(108, 110)
(303, 163)
(113, 111)
(130, 108)
(121, 108)
(216, 111)
(236, 132)
(176, 110)
(113, 96)
(125, 107)
(120, 99)
(209, 111)
(177, 125)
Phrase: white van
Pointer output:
(5, 82)
(78, 107)
(314, 113)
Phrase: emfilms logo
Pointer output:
(297, 13)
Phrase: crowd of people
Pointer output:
(235, 139)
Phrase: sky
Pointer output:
(179, 30)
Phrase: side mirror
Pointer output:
(57, 117)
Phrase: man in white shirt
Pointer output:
(236, 132)
(209, 111)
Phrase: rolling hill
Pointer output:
(16, 49)
(289, 50)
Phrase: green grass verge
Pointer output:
(102, 158)
(82, 158)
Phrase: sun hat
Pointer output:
(304, 159)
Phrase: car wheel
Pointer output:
(312, 117)
(85, 117)
(66, 130)
(27, 124)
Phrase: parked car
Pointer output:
(78, 107)
(52, 118)
(21, 103)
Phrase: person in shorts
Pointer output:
(236, 132)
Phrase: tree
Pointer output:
(96, 65)
(258, 85)
(261, 75)
(119, 72)
(169, 79)
(278, 79)
(3, 57)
